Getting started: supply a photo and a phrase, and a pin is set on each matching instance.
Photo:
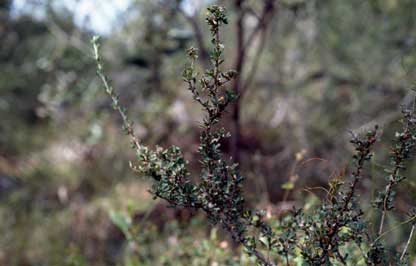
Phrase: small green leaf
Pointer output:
(121, 221)
(288, 186)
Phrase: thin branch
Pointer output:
(254, 67)
(394, 228)
(262, 258)
(263, 20)
(127, 125)
(399, 155)
(261, 28)
(408, 242)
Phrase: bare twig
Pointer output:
(408, 242)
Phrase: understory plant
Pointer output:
(335, 233)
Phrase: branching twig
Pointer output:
(405, 142)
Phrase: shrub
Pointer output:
(336, 233)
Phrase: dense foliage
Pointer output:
(336, 233)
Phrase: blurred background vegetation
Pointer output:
(310, 70)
